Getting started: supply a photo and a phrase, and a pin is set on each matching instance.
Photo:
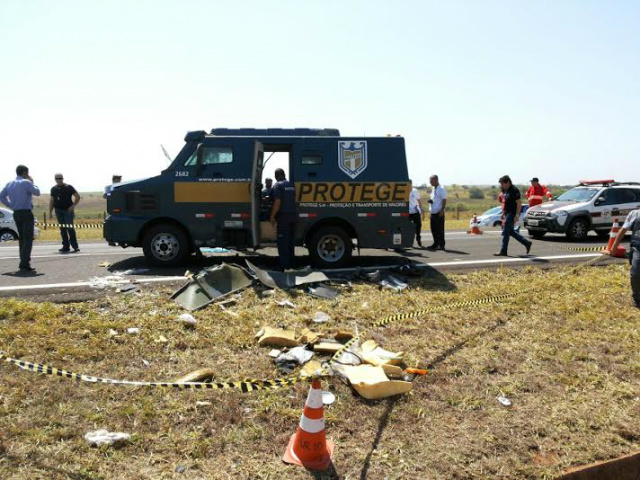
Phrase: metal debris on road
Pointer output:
(210, 285)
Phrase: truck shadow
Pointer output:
(425, 277)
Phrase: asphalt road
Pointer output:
(76, 276)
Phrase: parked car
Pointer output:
(592, 205)
(8, 228)
(493, 217)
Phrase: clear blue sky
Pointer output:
(477, 88)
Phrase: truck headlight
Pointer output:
(559, 213)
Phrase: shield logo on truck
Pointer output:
(352, 157)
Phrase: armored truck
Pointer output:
(351, 192)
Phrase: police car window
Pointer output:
(578, 194)
(626, 195)
(609, 197)
(211, 156)
(311, 160)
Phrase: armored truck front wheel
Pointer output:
(165, 246)
(330, 247)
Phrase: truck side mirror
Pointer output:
(599, 201)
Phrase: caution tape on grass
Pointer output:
(244, 386)
(251, 385)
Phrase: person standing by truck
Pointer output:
(437, 205)
(17, 195)
(284, 214)
(65, 198)
(512, 208)
(632, 224)
(537, 193)
(415, 213)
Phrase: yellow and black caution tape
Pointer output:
(582, 249)
(65, 225)
(70, 225)
(244, 386)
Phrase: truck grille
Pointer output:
(142, 202)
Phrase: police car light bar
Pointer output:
(596, 182)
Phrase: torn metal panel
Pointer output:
(285, 280)
(386, 280)
(323, 291)
(211, 284)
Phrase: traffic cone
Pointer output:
(475, 230)
(309, 447)
(621, 252)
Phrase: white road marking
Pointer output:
(68, 255)
(49, 286)
(512, 259)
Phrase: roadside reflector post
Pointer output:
(44, 217)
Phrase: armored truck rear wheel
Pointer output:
(330, 247)
(165, 246)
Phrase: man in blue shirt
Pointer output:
(284, 212)
(17, 196)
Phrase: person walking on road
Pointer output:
(537, 193)
(17, 195)
(512, 208)
(415, 213)
(632, 224)
(64, 199)
(437, 205)
(284, 214)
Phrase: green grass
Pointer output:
(568, 356)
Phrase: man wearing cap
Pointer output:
(17, 196)
(537, 193)
(109, 188)
(65, 198)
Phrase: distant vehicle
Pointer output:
(493, 217)
(592, 205)
(8, 228)
(350, 191)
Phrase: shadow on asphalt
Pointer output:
(430, 278)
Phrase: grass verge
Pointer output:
(567, 356)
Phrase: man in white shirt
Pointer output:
(437, 205)
(415, 212)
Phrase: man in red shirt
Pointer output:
(537, 193)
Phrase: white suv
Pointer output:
(592, 205)
(8, 228)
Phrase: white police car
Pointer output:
(592, 205)
(8, 228)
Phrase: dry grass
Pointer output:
(568, 357)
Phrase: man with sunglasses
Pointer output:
(64, 199)
(512, 207)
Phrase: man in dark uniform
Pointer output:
(632, 223)
(64, 199)
(284, 213)
(512, 207)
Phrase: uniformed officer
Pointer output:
(632, 223)
(284, 213)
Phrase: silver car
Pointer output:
(8, 228)
(493, 217)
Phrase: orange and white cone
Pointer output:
(309, 447)
(475, 230)
(621, 252)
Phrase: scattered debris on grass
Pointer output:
(98, 438)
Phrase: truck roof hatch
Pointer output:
(276, 132)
